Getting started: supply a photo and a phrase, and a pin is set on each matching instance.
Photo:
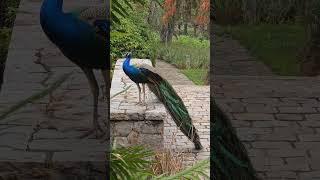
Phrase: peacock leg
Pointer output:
(139, 89)
(106, 98)
(144, 93)
(106, 83)
(95, 92)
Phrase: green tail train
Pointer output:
(174, 104)
(229, 159)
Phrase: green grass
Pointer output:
(189, 54)
(277, 46)
(197, 76)
(186, 53)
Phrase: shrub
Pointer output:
(129, 37)
(133, 34)
(186, 53)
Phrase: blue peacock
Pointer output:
(82, 38)
(145, 74)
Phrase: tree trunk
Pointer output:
(195, 26)
(170, 30)
(311, 53)
(185, 28)
(167, 31)
(179, 28)
(187, 16)
(249, 8)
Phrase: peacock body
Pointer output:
(82, 38)
(166, 94)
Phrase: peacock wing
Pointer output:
(149, 68)
(96, 16)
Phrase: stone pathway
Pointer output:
(50, 126)
(277, 118)
(144, 122)
(230, 58)
(172, 74)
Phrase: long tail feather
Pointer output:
(228, 155)
(174, 104)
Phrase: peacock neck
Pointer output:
(53, 5)
(126, 63)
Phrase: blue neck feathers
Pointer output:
(127, 68)
(126, 63)
(134, 73)
(52, 6)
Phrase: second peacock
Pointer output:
(146, 74)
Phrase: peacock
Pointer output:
(82, 37)
(229, 159)
(145, 74)
(135, 75)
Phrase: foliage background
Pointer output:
(145, 23)
(7, 16)
(133, 34)
(284, 34)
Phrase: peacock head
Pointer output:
(128, 55)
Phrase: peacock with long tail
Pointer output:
(82, 37)
(229, 159)
(145, 74)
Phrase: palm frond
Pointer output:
(119, 9)
(130, 162)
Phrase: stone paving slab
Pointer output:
(277, 119)
(55, 121)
